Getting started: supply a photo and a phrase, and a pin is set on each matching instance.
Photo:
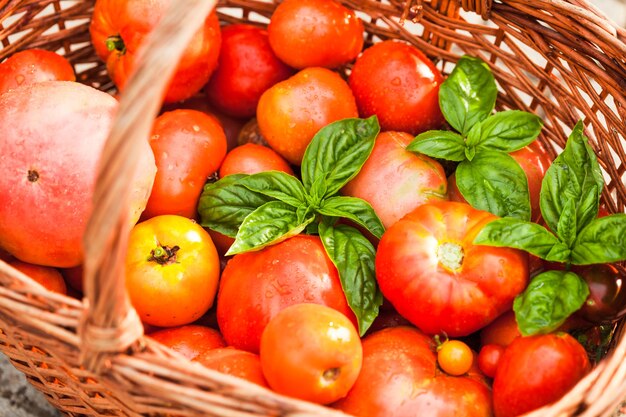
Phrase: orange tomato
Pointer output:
(48, 277)
(315, 33)
(311, 352)
(190, 340)
(236, 362)
(172, 270)
(252, 158)
(188, 147)
(292, 111)
(455, 357)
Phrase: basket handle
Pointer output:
(481, 7)
(109, 324)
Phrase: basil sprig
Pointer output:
(265, 208)
(569, 201)
(487, 177)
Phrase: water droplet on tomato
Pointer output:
(396, 81)
(19, 79)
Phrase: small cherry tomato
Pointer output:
(315, 33)
(251, 159)
(247, 67)
(455, 357)
(236, 362)
(34, 66)
(311, 352)
(607, 293)
(172, 270)
(399, 84)
(291, 112)
(488, 359)
(188, 147)
(190, 340)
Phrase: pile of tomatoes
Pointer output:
(441, 339)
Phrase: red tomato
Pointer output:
(489, 358)
(535, 371)
(397, 82)
(502, 331)
(172, 270)
(188, 147)
(255, 286)
(534, 160)
(315, 33)
(34, 66)
(247, 67)
(395, 181)
(432, 273)
(122, 25)
(74, 277)
(190, 340)
(399, 378)
(50, 278)
(291, 112)
(251, 159)
(236, 362)
(311, 352)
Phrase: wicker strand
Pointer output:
(109, 311)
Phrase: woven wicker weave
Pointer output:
(561, 59)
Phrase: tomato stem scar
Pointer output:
(450, 255)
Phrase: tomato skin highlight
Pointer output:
(255, 286)
(178, 289)
(535, 371)
(399, 378)
(432, 273)
(399, 84)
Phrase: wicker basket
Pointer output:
(559, 58)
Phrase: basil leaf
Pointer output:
(271, 223)
(518, 234)
(550, 298)
(278, 185)
(566, 227)
(337, 153)
(574, 175)
(355, 209)
(354, 257)
(439, 144)
(223, 205)
(508, 131)
(468, 95)
(601, 241)
(494, 182)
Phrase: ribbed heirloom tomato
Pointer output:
(118, 28)
(432, 273)
(255, 286)
(400, 378)
(172, 270)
